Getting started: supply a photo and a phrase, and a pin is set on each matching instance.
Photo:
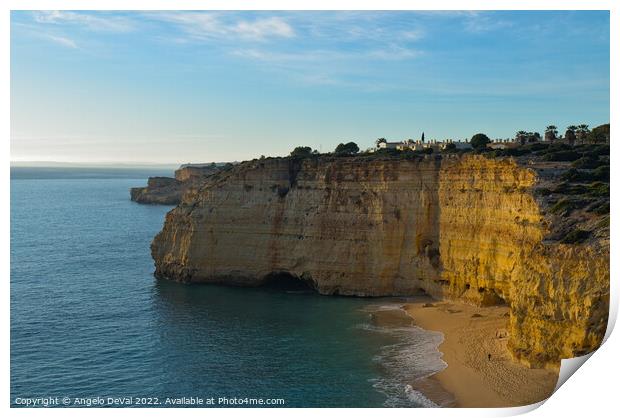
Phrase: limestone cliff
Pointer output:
(456, 227)
(159, 190)
(168, 190)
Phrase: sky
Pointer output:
(188, 86)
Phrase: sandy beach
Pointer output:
(474, 378)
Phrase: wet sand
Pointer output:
(474, 379)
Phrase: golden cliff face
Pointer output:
(488, 218)
(467, 228)
(346, 227)
(560, 302)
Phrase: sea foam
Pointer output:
(409, 357)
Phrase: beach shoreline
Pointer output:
(480, 371)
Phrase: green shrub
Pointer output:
(479, 141)
(573, 175)
(596, 136)
(598, 150)
(604, 223)
(302, 152)
(571, 189)
(567, 205)
(408, 154)
(562, 205)
(559, 146)
(586, 161)
(567, 155)
(495, 153)
(602, 209)
(537, 146)
(601, 173)
(387, 151)
(598, 189)
(347, 149)
(516, 152)
(576, 236)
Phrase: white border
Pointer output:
(308, 5)
(591, 392)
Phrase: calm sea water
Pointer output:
(89, 319)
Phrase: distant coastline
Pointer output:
(92, 164)
(58, 172)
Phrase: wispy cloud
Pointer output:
(393, 52)
(478, 23)
(358, 26)
(214, 25)
(390, 52)
(61, 40)
(262, 28)
(36, 32)
(413, 34)
(95, 22)
(327, 67)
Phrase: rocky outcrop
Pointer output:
(465, 227)
(159, 190)
(195, 172)
(167, 190)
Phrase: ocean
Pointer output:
(90, 322)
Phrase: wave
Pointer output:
(408, 358)
(418, 398)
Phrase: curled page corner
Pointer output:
(568, 367)
(505, 411)
(517, 410)
(613, 311)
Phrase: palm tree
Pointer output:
(570, 134)
(380, 141)
(551, 133)
(521, 137)
(582, 132)
(553, 129)
(531, 137)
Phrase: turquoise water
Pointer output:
(88, 319)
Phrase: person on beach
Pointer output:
(489, 356)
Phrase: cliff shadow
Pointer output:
(287, 282)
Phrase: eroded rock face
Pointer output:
(560, 302)
(350, 228)
(159, 190)
(458, 227)
(168, 190)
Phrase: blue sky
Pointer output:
(176, 87)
